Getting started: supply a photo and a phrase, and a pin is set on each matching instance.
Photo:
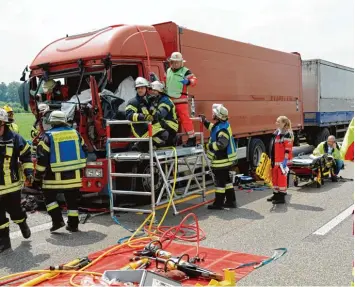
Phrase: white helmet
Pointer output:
(141, 82)
(176, 56)
(57, 117)
(220, 111)
(3, 116)
(43, 108)
(157, 86)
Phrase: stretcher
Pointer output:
(312, 168)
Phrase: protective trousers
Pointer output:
(279, 180)
(53, 209)
(10, 203)
(224, 187)
(182, 110)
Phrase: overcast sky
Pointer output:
(315, 28)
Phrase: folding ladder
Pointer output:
(161, 161)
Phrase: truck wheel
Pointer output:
(146, 182)
(256, 148)
(322, 135)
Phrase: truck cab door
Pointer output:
(157, 68)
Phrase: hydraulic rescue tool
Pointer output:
(155, 252)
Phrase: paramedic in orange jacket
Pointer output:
(281, 153)
(178, 78)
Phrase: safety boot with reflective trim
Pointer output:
(56, 226)
(25, 230)
(5, 242)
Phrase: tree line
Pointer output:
(9, 96)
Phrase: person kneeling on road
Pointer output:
(137, 110)
(13, 149)
(163, 110)
(222, 151)
(332, 148)
(61, 158)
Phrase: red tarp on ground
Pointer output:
(216, 260)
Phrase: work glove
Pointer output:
(148, 118)
(185, 81)
(203, 118)
(284, 163)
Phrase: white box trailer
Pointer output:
(328, 99)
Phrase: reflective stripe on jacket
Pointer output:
(221, 158)
(281, 144)
(13, 149)
(166, 113)
(71, 149)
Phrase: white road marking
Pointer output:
(34, 229)
(335, 221)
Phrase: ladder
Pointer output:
(161, 162)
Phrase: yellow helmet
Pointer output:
(8, 109)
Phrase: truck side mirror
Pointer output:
(24, 94)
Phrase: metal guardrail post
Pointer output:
(151, 165)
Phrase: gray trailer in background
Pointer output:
(328, 99)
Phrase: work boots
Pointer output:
(5, 242)
(218, 202)
(25, 230)
(274, 196)
(56, 226)
(279, 198)
(230, 198)
(191, 142)
(72, 224)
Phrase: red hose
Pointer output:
(145, 47)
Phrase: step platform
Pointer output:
(216, 260)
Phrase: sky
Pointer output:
(315, 28)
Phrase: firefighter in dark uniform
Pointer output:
(137, 109)
(163, 110)
(13, 149)
(222, 151)
(61, 158)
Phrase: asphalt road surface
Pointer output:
(315, 226)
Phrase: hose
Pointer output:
(163, 233)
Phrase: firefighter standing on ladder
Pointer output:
(137, 110)
(163, 110)
(61, 158)
(222, 151)
(281, 153)
(178, 78)
(13, 149)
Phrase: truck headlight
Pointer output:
(93, 172)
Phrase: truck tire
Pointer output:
(321, 136)
(256, 148)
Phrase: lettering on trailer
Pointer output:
(282, 98)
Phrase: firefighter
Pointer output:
(163, 110)
(281, 153)
(13, 149)
(178, 78)
(61, 158)
(44, 111)
(10, 113)
(137, 109)
(332, 148)
(222, 151)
